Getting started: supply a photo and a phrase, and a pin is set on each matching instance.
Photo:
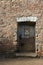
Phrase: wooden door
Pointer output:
(27, 41)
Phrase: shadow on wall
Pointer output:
(6, 45)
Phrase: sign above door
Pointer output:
(24, 19)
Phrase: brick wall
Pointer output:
(11, 9)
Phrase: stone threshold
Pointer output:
(26, 54)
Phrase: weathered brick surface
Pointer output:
(10, 9)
